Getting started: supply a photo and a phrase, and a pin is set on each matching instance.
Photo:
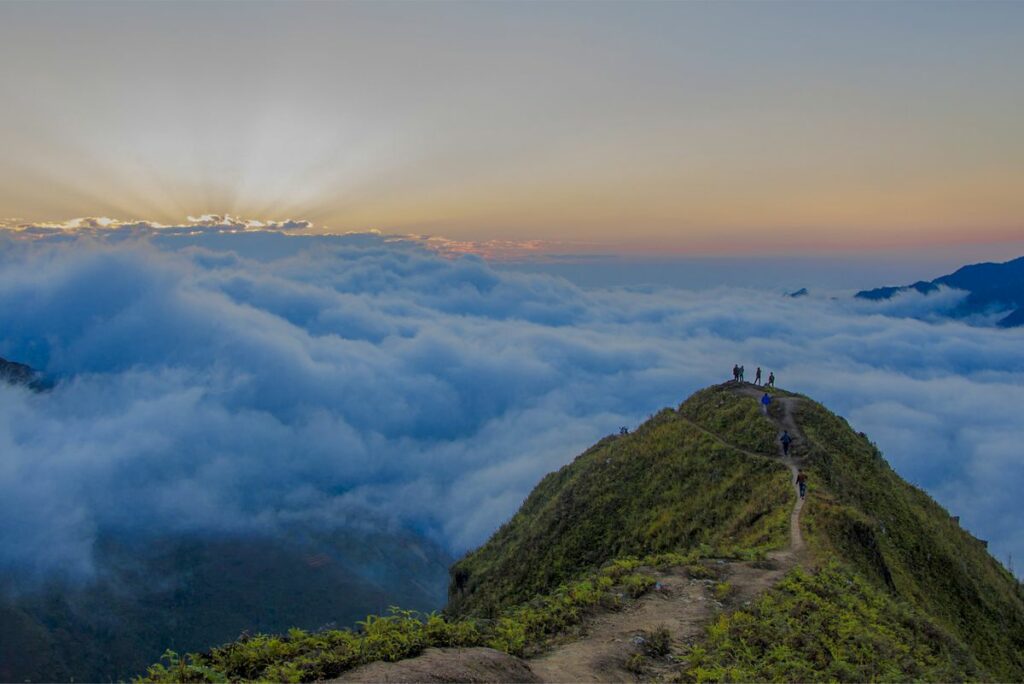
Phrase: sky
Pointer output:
(661, 129)
(358, 381)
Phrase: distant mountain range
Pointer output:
(992, 288)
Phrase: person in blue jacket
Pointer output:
(765, 400)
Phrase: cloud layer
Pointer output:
(351, 381)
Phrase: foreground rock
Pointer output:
(447, 665)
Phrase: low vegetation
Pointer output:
(830, 625)
(900, 539)
(657, 643)
(300, 656)
(669, 486)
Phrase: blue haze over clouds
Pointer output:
(208, 385)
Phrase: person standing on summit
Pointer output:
(757, 376)
(771, 379)
(735, 372)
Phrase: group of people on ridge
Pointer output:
(766, 399)
(737, 376)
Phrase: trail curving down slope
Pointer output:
(683, 604)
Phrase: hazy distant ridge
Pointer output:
(990, 287)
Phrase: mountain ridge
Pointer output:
(990, 287)
(692, 520)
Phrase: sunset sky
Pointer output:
(690, 128)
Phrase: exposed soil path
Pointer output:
(680, 603)
(684, 606)
(785, 422)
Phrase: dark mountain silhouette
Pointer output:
(991, 288)
(185, 593)
(14, 373)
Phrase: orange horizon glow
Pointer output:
(663, 128)
(1008, 244)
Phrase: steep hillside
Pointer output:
(670, 485)
(860, 514)
(600, 576)
(990, 288)
(899, 538)
(186, 593)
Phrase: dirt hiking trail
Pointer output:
(684, 605)
(599, 649)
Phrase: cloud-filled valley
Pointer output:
(352, 382)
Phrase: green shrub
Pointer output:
(620, 567)
(828, 626)
(637, 585)
(509, 636)
(669, 559)
(636, 663)
(701, 571)
(658, 642)
(182, 669)
(301, 656)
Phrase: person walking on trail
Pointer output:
(801, 482)
(771, 379)
(765, 400)
(786, 441)
(757, 376)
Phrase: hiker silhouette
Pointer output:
(786, 440)
(801, 481)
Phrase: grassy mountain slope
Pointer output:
(899, 538)
(667, 486)
(829, 625)
(700, 491)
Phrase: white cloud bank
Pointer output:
(350, 379)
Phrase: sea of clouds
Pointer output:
(261, 381)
